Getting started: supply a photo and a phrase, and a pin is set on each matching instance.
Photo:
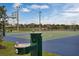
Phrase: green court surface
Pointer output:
(46, 35)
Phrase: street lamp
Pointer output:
(40, 20)
(17, 16)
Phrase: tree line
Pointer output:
(44, 27)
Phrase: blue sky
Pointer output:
(52, 13)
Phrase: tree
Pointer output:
(2, 25)
(2, 21)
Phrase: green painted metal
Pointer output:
(36, 43)
(25, 50)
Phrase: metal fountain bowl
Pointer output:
(23, 48)
(22, 45)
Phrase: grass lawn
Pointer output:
(10, 50)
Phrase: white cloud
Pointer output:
(35, 6)
(55, 17)
(72, 11)
(70, 14)
(60, 17)
(44, 7)
(39, 6)
(25, 10)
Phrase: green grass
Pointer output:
(49, 54)
(9, 50)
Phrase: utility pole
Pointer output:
(17, 17)
(39, 20)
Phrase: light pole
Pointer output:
(40, 20)
(40, 8)
(17, 17)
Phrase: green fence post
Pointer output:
(36, 43)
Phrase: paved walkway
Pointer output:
(68, 46)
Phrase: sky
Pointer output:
(51, 13)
